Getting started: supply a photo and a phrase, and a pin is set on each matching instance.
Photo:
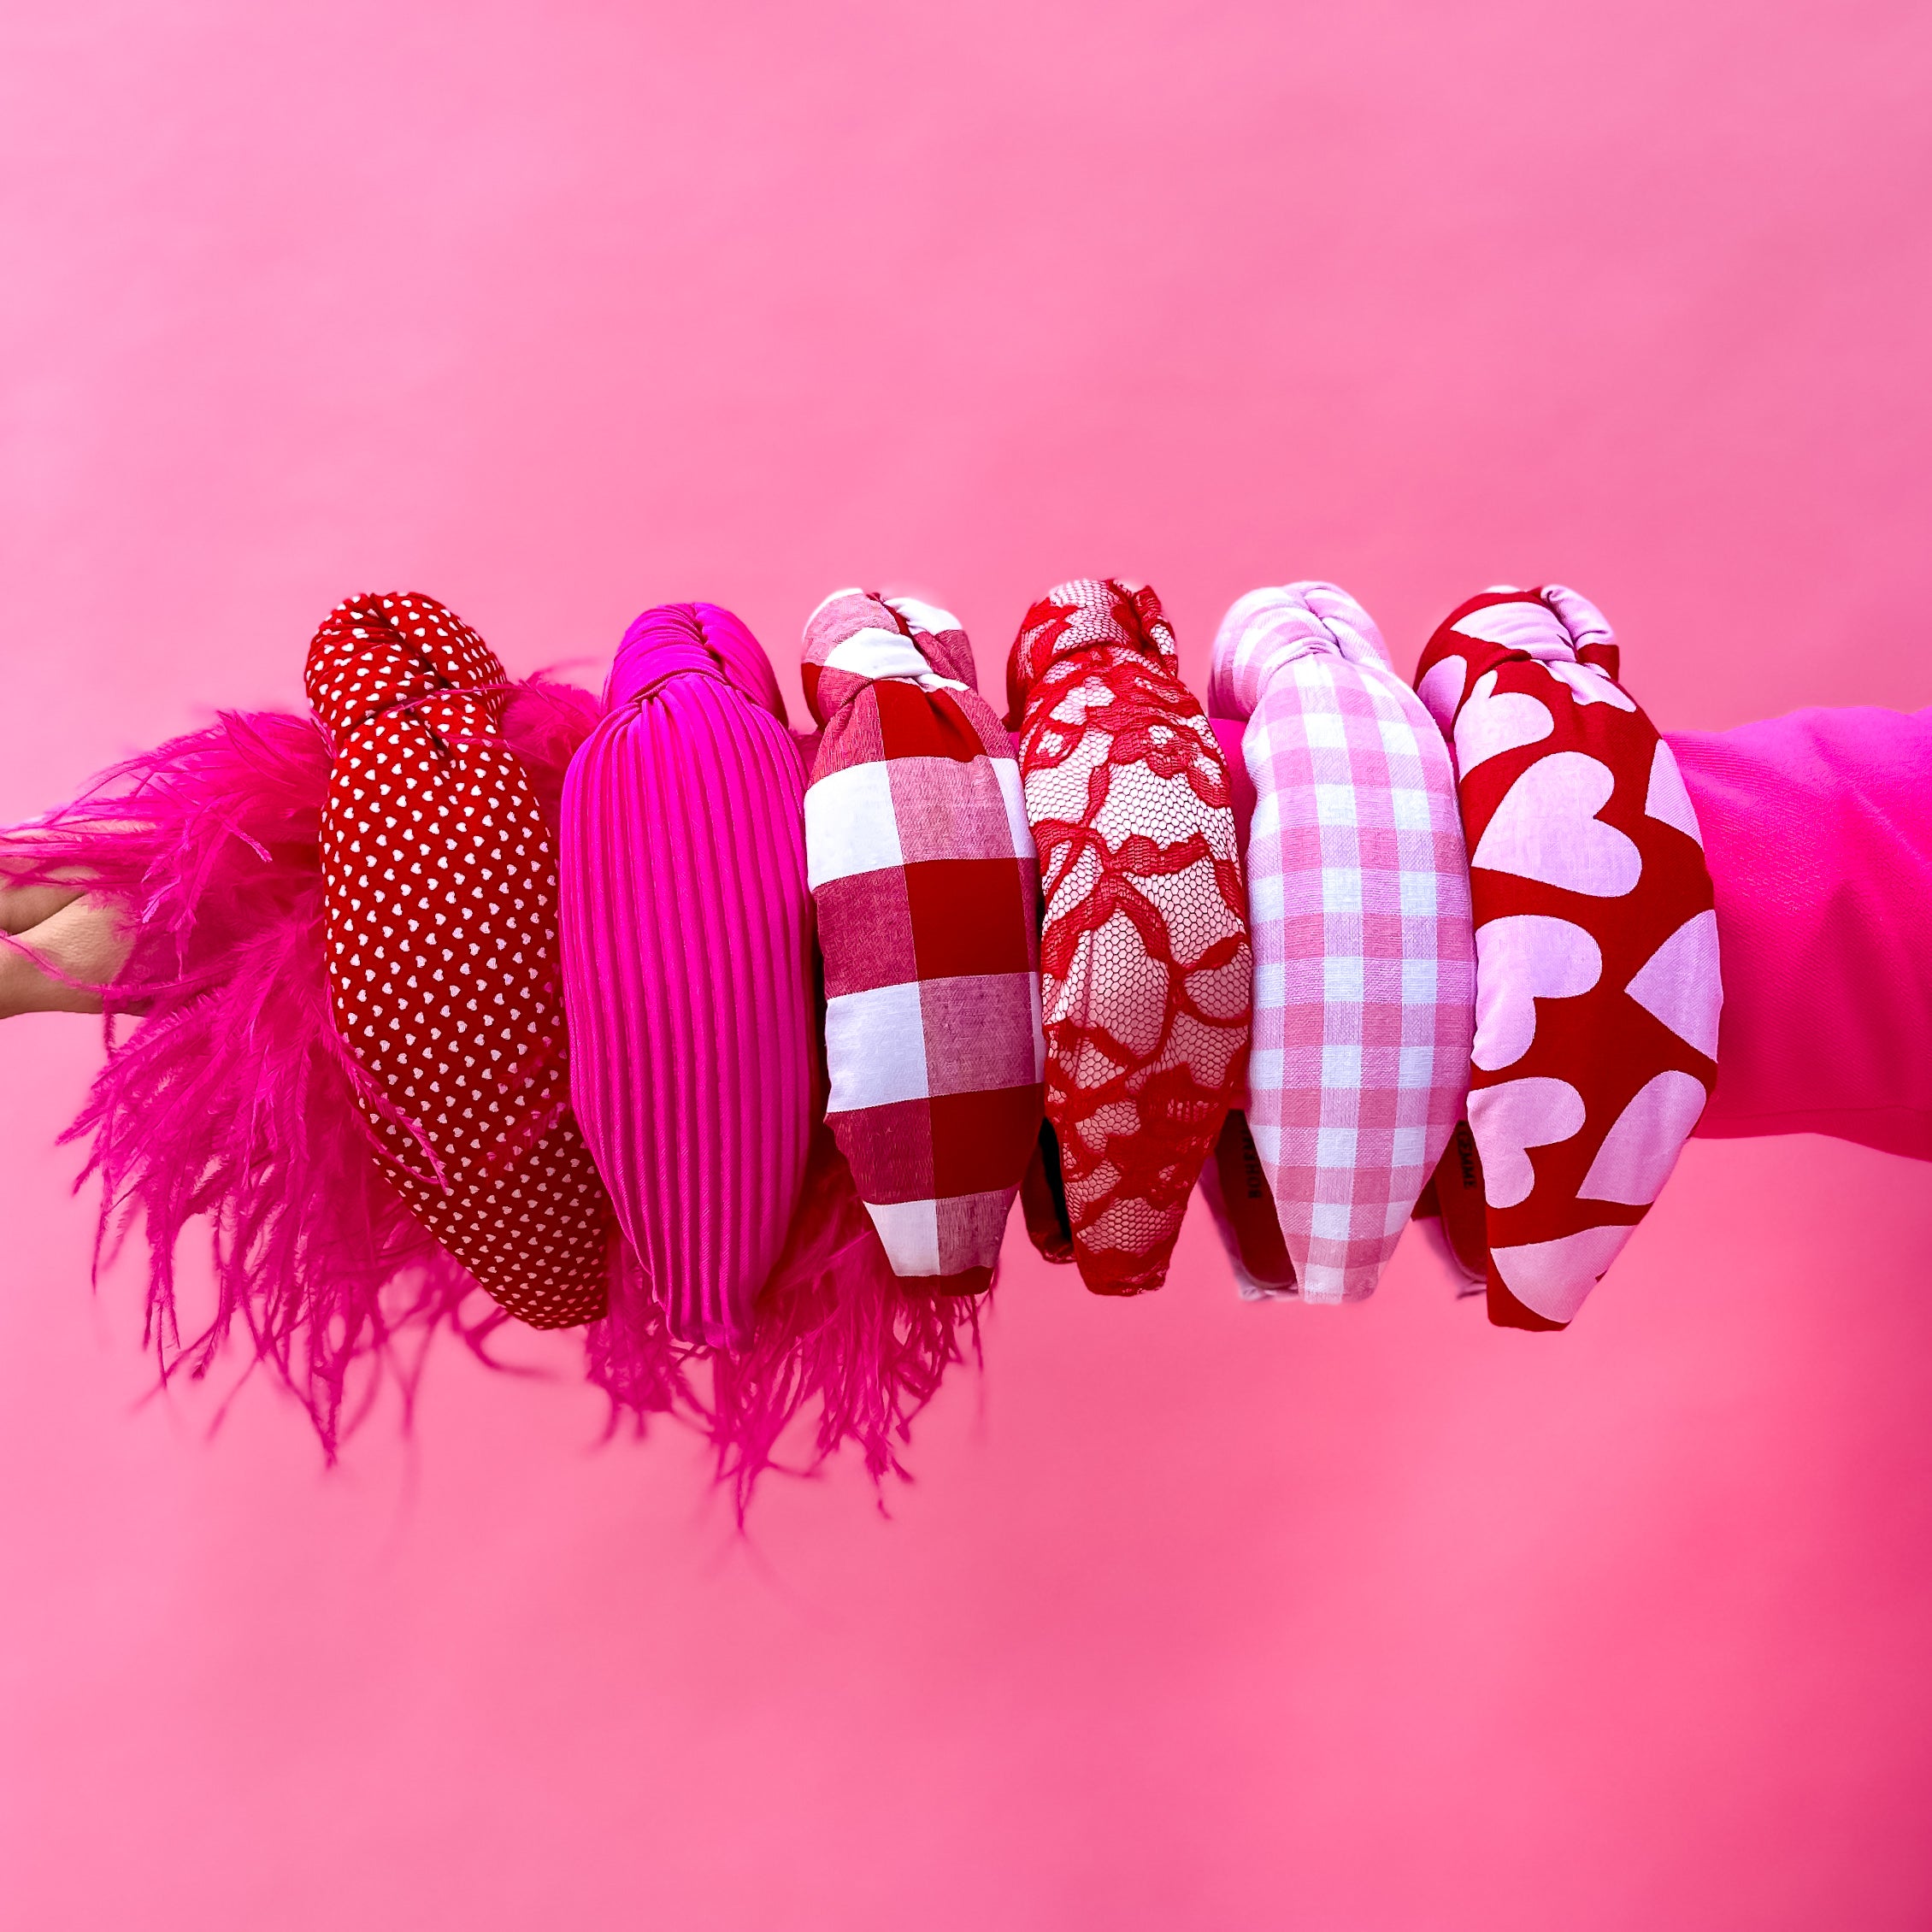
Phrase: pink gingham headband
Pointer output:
(1363, 966)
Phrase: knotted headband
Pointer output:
(440, 901)
(688, 962)
(1359, 907)
(1596, 943)
(1144, 953)
(923, 874)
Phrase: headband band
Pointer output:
(1596, 981)
(440, 900)
(1360, 913)
(922, 870)
(1144, 952)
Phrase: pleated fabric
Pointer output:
(439, 894)
(1144, 952)
(687, 963)
(1598, 989)
(1359, 910)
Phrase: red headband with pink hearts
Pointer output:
(1596, 942)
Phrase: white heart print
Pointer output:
(1546, 829)
(1554, 1278)
(1588, 685)
(1531, 628)
(1665, 799)
(1440, 688)
(1681, 985)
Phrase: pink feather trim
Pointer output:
(838, 1338)
(228, 1100)
(225, 1098)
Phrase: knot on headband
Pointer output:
(1358, 894)
(1553, 627)
(855, 639)
(374, 656)
(922, 869)
(687, 963)
(1598, 989)
(440, 901)
(1268, 630)
(1144, 952)
(1088, 614)
(672, 639)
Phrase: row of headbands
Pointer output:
(687, 946)
(962, 897)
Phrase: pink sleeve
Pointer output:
(1817, 827)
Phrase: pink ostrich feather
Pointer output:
(225, 1096)
(842, 1347)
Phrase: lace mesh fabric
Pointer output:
(1145, 953)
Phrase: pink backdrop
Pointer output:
(1199, 1615)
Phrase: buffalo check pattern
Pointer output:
(1358, 893)
(922, 867)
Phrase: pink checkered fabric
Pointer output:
(1359, 892)
(922, 866)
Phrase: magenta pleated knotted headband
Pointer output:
(687, 963)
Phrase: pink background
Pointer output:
(1199, 1615)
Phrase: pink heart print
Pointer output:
(1520, 961)
(1546, 828)
(1488, 725)
(1598, 989)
